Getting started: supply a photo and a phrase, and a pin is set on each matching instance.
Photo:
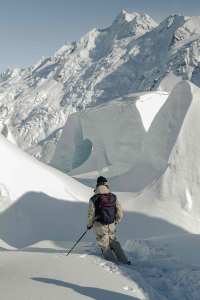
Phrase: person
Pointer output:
(104, 213)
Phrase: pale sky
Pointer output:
(30, 29)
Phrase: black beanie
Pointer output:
(101, 180)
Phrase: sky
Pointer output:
(32, 29)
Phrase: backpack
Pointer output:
(105, 208)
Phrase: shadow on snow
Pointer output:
(36, 217)
(95, 293)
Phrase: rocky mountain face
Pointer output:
(134, 54)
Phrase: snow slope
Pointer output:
(181, 178)
(41, 203)
(163, 268)
(44, 204)
(45, 273)
(174, 138)
(37, 202)
(21, 173)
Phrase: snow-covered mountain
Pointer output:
(133, 54)
(35, 102)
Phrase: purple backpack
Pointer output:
(105, 208)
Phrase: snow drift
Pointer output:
(174, 134)
(180, 182)
(37, 202)
(21, 173)
(91, 143)
(150, 125)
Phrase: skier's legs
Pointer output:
(108, 254)
(112, 232)
(102, 237)
(115, 245)
(119, 252)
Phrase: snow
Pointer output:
(40, 98)
(163, 268)
(52, 280)
(158, 163)
(92, 133)
(158, 132)
(43, 212)
(126, 16)
(181, 178)
(141, 160)
(147, 110)
(113, 104)
(133, 54)
(21, 174)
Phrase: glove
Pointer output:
(89, 227)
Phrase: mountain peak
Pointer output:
(173, 20)
(132, 24)
(125, 16)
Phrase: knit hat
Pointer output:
(101, 180)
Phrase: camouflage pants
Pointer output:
(107, 241)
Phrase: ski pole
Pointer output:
(77, 242)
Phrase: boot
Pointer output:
(119, 252)
(108, 254)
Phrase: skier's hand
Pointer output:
(89, 227)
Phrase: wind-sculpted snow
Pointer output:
(180, 182)
(175, 133)
(110, 137)
(160, 163)
(130, 140)
(21, 174)
(164, 149)
(40, 203)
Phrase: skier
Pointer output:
(104, 213)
